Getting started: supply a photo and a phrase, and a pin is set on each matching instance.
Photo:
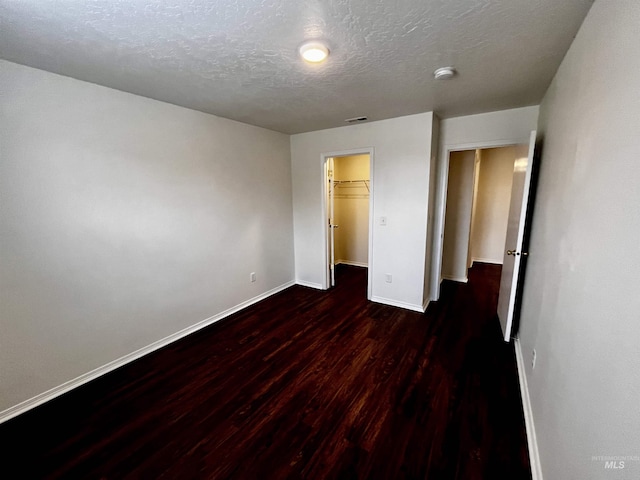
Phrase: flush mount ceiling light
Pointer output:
(444, 73)
(314, 52)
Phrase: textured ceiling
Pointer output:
(238, 58)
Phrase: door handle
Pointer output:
(335, 226)
(512, 252)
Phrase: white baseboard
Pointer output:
(304, 283)
(455, 279)
(425, 305)
(354, 264)
(532, 442)
(486, 260)
(44, 397)
(395, 303)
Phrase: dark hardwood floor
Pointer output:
(305, 384)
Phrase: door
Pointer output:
(515, 236)
(331, 221)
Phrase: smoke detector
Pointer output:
(444, 73)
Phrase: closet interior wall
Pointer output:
(491, 205)
(478, 198)
(457, 226)
(351, 209)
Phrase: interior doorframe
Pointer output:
(325, 226)
(441, 200)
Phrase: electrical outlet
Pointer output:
(533, 359)
(252, 277)
(388, 278)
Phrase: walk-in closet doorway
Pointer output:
(348, 212)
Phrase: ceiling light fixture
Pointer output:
(314, 52)
(444, 73)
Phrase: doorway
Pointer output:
(348, 213)
(477, 208)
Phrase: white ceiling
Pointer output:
(238, 58)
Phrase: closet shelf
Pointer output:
(352, 184)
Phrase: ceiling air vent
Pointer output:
(356, 119)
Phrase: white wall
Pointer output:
(124, 220)
(476, 182)
(428, 261)
(401, 188)
(492, 204)
(351, 209)
(581, 303)
(457, 224)
(506, 127)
